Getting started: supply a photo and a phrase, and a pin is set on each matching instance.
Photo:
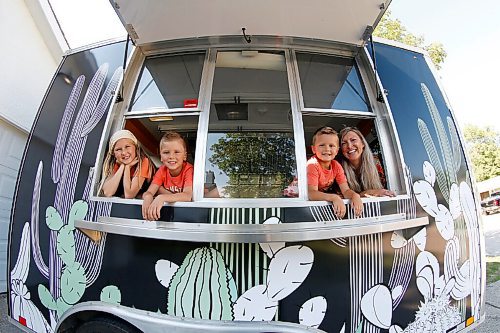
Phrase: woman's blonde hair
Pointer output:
(110, 160)
(366, 177)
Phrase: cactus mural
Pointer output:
(22, 307)
(73, 278)
(74, 260)
(460, 218)
(204, 279)
(202, 287)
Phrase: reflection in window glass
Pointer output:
(169, 82)
(250, 147)
(250, 164)
(331, 83)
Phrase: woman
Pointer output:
(364, 175)
(126, 170)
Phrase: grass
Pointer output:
(492, 271)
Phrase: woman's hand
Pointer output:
(378, 193)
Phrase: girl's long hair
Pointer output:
(366, 177)
(110, 160)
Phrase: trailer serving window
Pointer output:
(332, 92)
(165, 98)
(252, 113)
(250, 144)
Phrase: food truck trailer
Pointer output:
(246, 83)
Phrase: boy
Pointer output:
(174, 179)
(323, 170)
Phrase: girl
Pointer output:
(126, 170)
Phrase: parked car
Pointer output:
(491, 204)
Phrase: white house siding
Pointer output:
(26, 67)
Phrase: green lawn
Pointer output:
(492, 272)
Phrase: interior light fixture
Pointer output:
(161, 118)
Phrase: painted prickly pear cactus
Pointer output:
(202, 287)
(73, 277)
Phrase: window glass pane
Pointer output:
(250, 148)
(331, 83)
(169, 82)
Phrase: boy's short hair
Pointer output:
(323, 130)
(172, 136)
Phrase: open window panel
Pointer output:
(366, 126)
(250, 142)
(168, 82)
(332, 83)
(149, 131)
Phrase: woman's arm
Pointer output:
(111, 183)
(378, 193)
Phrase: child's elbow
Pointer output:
(107, 194)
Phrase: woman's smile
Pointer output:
(352, 147)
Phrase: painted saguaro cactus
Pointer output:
(74, 261)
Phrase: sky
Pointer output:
(469, 31)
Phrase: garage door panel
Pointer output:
(7, 186)
(12, 142)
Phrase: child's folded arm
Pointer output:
(185, 195)
(356, 202)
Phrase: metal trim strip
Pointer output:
(251, 233)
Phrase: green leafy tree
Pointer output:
(258, 165)
(483, 144)
(393, 29)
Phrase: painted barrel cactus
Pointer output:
(202, 287)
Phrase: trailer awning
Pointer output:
(344, 21)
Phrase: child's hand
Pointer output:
(154, 209)
(339, 206)
(134, 162)
(357, 204)
(148, 199)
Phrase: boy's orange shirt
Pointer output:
(174, 184)
(323, 178)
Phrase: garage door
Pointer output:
(12, 141)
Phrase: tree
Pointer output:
(483, 145)
(258, 165)
(393, 29)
